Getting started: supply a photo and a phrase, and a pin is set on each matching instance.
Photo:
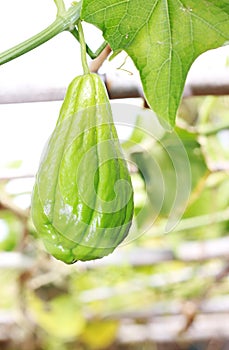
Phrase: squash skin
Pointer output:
(82, 201)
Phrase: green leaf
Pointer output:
(100, 334)
(60, 318)
(11, 231)
(163, 37)
(171, 165)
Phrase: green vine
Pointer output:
(65, 20)
(60, 7)
(61, 23)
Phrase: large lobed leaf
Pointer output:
(163, 37)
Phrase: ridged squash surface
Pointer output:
(82, 202)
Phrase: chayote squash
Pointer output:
(82, 202)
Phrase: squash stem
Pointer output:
(92, 54)
(83, 48)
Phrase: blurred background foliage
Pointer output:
(161, 290)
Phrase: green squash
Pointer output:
(82, 202)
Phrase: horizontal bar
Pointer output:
(121, 85)
(166, 330)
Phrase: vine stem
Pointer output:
(64, 22)
(60, 7)
(203, 130)
(192, 223)
(83, 49)
(98, 62)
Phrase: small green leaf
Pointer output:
(11, 230)
(60, 317)
(100, 334)
(163, 37)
